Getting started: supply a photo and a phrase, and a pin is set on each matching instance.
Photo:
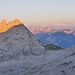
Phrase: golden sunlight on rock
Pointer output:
(6, 26)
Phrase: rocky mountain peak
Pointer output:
(4, 26)
(3, 22)
(18, 42)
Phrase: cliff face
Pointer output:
(4, 26)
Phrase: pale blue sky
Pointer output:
(38, 11)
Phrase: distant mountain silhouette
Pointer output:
(63, 38)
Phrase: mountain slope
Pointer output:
(30, 56)
(17, 42)
(58, 38)
(64, 38)
(60, 62)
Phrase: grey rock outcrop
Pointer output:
(19, 41)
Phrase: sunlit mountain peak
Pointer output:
(4, 26)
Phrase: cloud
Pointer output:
(63, 24)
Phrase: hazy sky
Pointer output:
(38, 11)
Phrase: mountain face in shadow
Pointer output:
(64, 38)
(18, 41)
(58, 38)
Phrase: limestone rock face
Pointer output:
(5, 26)
(19, 42)
(3, 22)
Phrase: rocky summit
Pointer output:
(4, 26)
(18, 42)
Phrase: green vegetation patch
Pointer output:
(52, 47)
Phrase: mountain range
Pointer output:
(64, 38)
(21, 53)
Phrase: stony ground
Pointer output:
(51, 63)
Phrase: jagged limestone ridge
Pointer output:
(4, 26)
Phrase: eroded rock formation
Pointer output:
(4, 26)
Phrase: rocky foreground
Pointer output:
(51, 63)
